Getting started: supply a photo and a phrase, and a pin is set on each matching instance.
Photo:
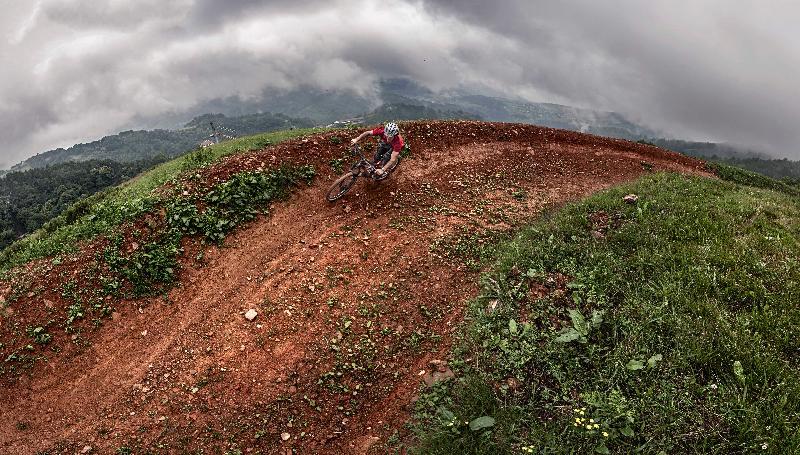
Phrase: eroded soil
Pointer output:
(353, 302)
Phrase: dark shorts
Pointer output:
(382, 155)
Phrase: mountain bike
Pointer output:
(361, 168)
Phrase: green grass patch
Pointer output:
(746, 177)
(673, 332)
(104, 211)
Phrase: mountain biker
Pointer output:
(389, 148)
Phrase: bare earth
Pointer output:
(353, 303)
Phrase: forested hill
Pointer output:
(784, 169)
(130, 146)
(28, 199)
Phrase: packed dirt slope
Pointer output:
(354, 300)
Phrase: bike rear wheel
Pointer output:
(341, 186)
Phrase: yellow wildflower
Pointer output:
(605, 434)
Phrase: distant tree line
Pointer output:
(30, 198)
(781, 169)
(786, 170)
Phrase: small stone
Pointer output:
(439, 365)
(251, 314)
(292, 389)
(513, 384)
(86, 449)
(285, 436)
(597, 235)
(441, 373)
(630, 199)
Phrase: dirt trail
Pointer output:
(353, 303)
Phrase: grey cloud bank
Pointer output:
(697, 69)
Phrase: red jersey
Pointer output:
(397, 142)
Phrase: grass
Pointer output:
(746, 177)
(674, 332)
(104, 211)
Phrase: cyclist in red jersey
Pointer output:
(389, 150)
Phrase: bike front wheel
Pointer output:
(341, 186)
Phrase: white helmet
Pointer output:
(391, 129)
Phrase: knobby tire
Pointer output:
(341, 186)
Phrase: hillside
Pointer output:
(130, 146)
(664, 325)
(118, 347)
(31, 198)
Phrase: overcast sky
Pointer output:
(76, 70)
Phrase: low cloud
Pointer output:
(704, 70)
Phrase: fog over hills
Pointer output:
(79, 70)
(396, 99)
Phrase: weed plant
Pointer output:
(675, 331)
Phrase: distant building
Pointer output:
(206, 143)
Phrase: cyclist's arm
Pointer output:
(362, 136)
(391, 161)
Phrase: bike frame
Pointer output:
(363, 162)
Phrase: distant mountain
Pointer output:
(131, 146)
(499, 109)
(402, 111)
(397, 99)
(782, 169)
(707, 149)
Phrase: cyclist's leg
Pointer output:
(381, 154)
(386, 156)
